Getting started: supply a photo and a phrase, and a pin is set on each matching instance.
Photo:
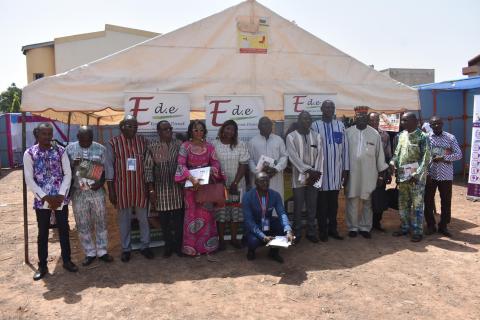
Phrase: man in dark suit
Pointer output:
(260, 226)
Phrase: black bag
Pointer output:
(392, 197)
(379, 200)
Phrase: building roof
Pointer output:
(460, 84)
(108, 27)
(91, 35)
(37, 45)
(406, 69)
(474, 60)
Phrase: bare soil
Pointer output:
(381, 278)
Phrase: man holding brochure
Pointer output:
(305, 151)
(260, 226)
(411, 160)
(267, 145)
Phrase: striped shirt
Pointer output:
(445, 145)
(129, 184)
(160, 167)
(305, 153)
(335, 152)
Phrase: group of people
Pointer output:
(153, 179)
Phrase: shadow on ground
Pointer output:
(306, 257)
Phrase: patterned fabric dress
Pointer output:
(160, 167)
(199, 229)
(412, 148)
(230, 159)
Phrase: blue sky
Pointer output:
(440, 34)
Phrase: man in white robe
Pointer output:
(367, 169)
(268, 144)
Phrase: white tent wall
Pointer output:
(203, 59)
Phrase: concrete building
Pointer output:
(411, 77)
(473, 68)
(65, 53)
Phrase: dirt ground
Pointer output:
(382, 278)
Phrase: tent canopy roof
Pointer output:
(203, 59)
(460, 84)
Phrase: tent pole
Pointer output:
(68, 128)
(434, 92)
(465, 117)
(98, 129)
(25, 204)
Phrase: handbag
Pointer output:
(392, 196)
(214, 193)
(379, 200)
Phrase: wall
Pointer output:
(411, 77)
(74, 51)
(450, 109)
(40, 60)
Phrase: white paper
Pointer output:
(408, 170)
(318, 184)
(279, 241)
(201, 174)
(264, 160)
(302, 178)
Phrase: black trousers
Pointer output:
(172, 227)
(43, 222)
(275, 230)
(445, 190)
(327, 207)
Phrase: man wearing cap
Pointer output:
(260, 225)
(367, 170)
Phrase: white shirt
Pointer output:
(273, 147)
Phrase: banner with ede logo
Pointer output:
(152, 107)
(244, 110)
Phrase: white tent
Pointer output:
(203, 58)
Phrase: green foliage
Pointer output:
(10, 99)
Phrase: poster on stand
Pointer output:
(244, 110)
(390, 122)
(473, 189)
(153, 107)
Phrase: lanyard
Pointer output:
(263, 204)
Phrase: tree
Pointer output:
(10, 99)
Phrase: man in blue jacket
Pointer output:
(260, 225)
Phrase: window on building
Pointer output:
(37, 76)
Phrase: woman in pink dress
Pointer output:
(199, 230)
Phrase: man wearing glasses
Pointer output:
(126, 184)
(166, 196)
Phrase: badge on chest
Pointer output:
(131, 164)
